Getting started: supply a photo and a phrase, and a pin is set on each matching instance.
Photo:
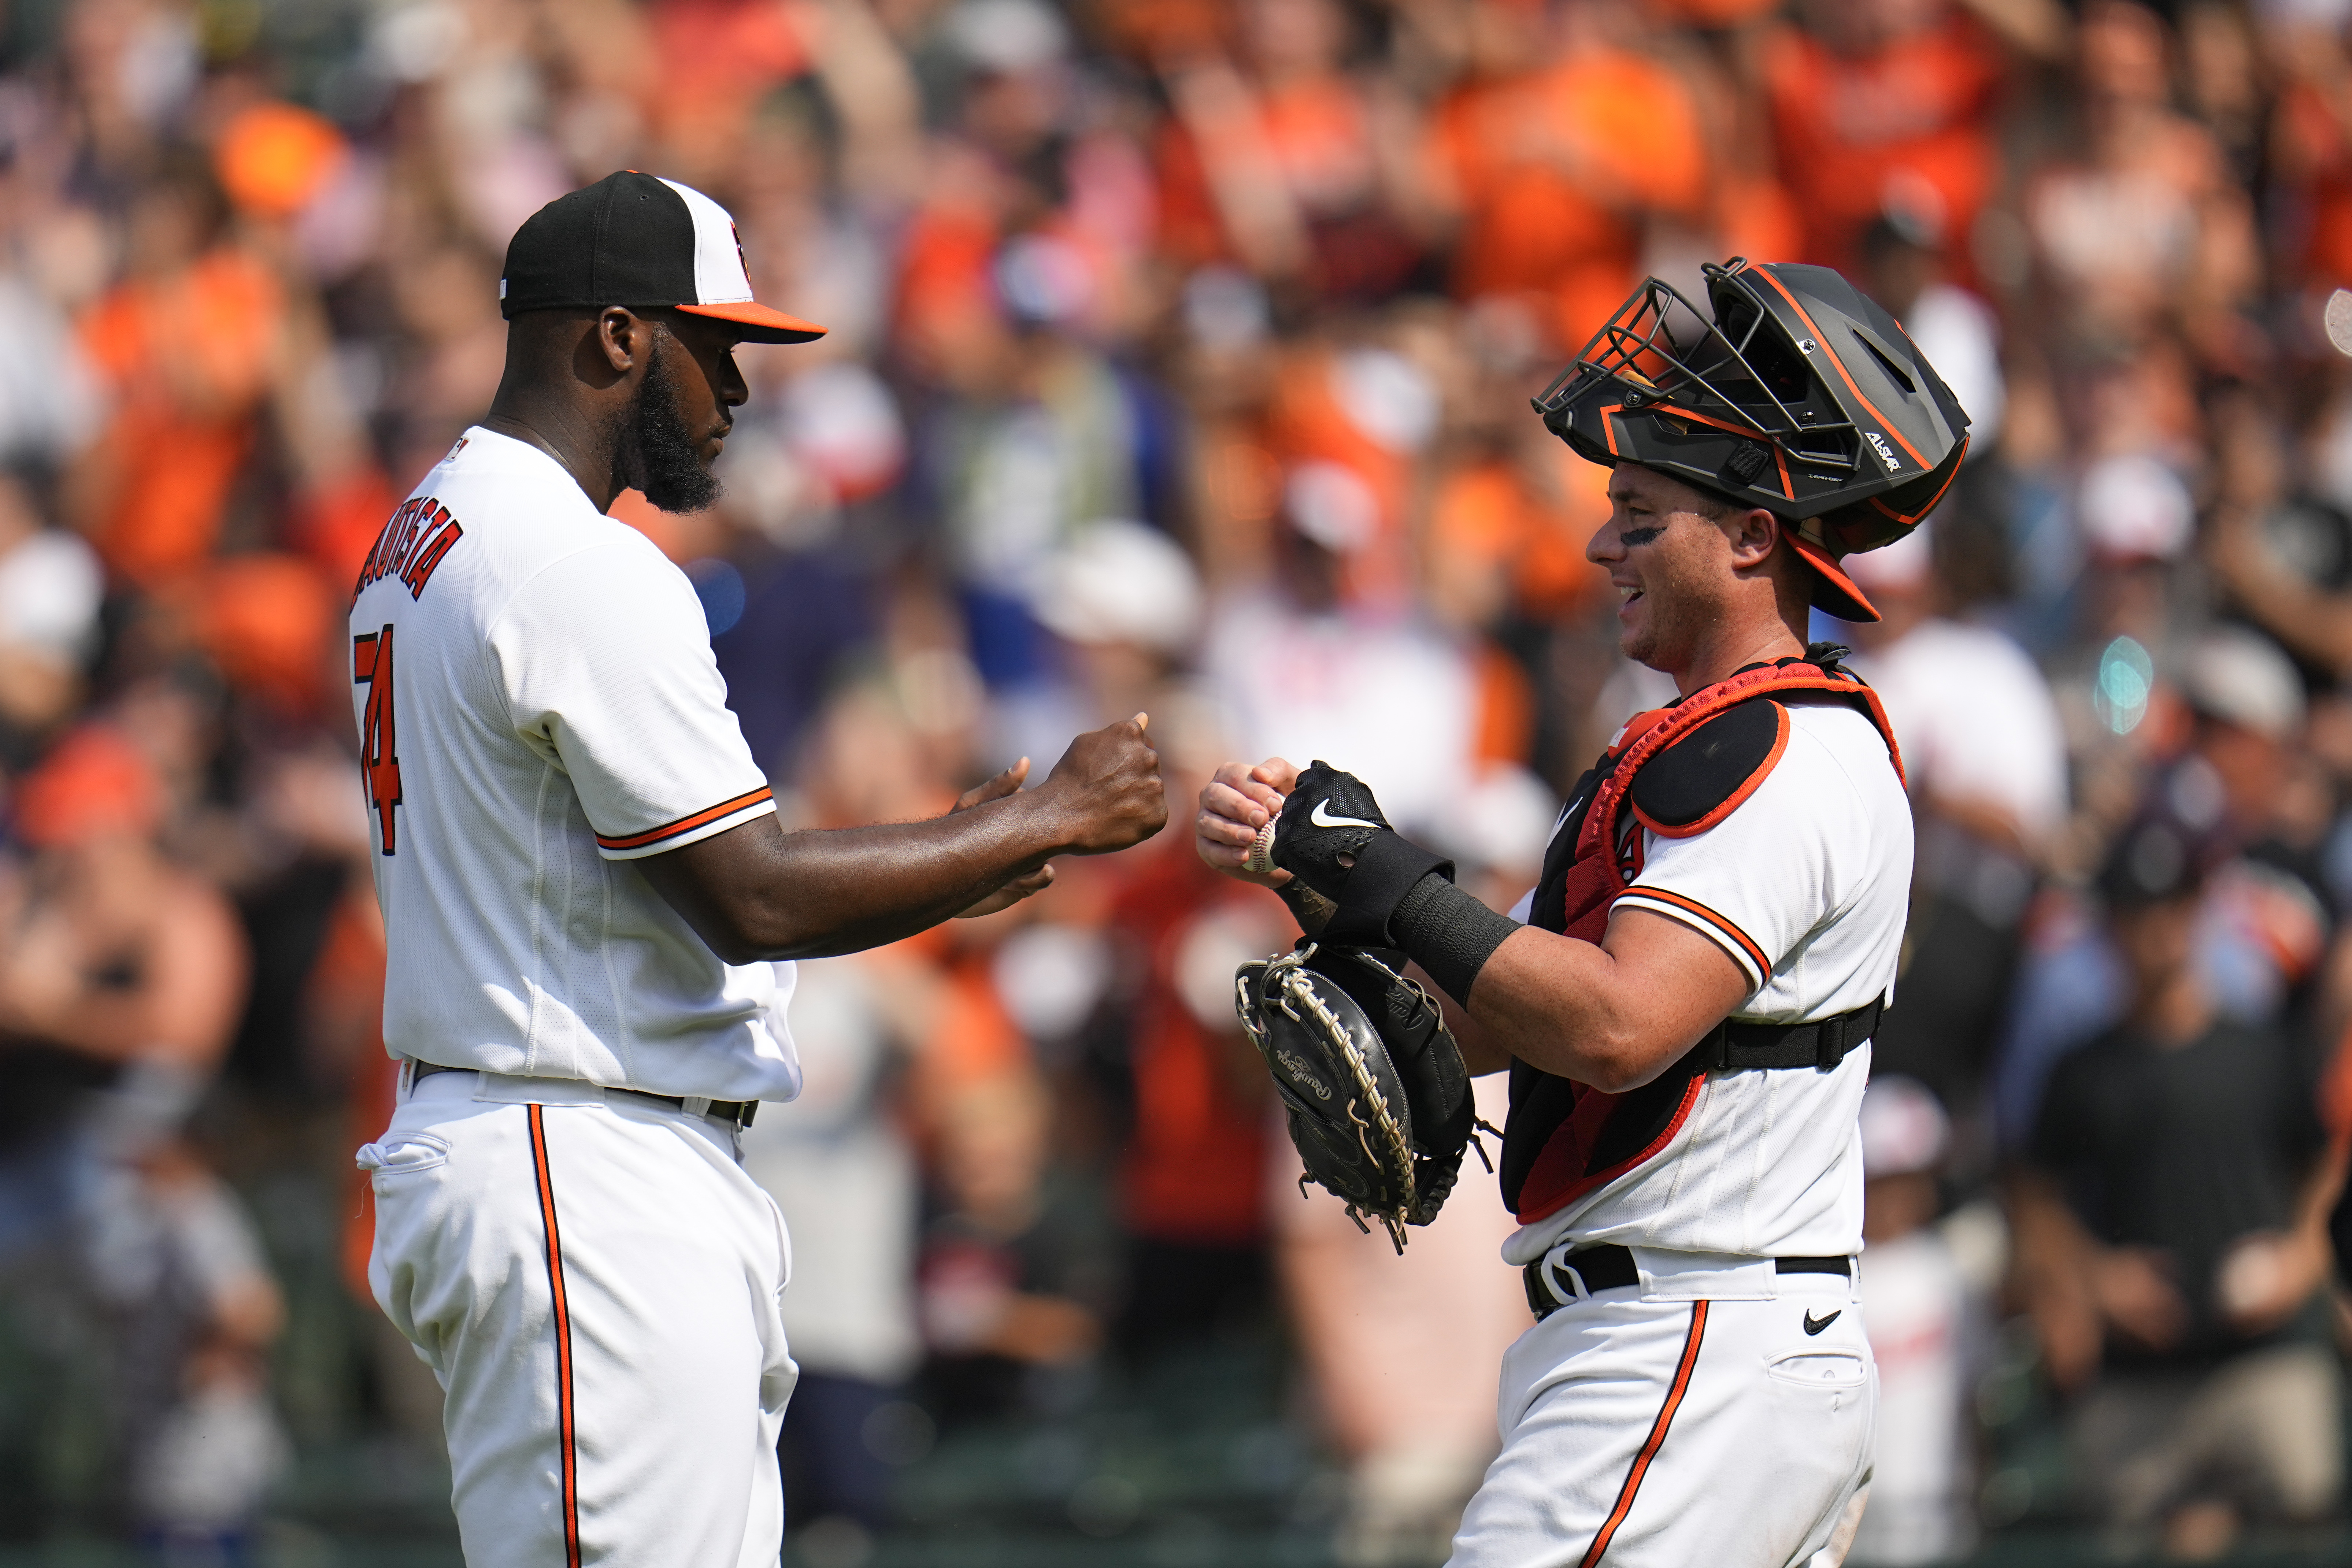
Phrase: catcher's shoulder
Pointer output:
(1705, 776)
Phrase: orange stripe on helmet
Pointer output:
(1822, 339)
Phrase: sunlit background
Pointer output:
(1179, 360)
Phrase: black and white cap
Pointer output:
(644, 243)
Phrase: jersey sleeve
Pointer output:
(1757, 883)
(604, 659)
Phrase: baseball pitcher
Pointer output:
(584, 887)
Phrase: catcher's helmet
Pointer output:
(1795, 392)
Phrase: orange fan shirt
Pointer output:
(2315, 160)
(1555, 171)
(186, 359)
(1194, 1170)
(1912, 119)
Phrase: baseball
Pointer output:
(2338, 317)
(1261, 854)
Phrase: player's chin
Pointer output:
(1633, 634)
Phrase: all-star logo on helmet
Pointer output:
(1793, 391)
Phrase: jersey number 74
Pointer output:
(379, 766)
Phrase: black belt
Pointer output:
(1730, 1046)
(739, 1111)
(1605, 1267)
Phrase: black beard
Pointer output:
(656, 454)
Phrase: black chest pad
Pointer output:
(1714, 766)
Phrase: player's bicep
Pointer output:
(1689, 979)
(1613, 1015)
(724, 886)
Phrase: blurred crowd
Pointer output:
(1178, 362)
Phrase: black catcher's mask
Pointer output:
(1793, 392)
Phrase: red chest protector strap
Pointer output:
(1565, 1139)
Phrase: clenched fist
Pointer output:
(1108, 790)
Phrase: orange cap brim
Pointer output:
(761, 324)
(1833, 591)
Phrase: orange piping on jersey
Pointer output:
(1692, 906)
(1657, 1439)
(686, 824)
(1732, 803)
(565, 1414)
(1823, 339)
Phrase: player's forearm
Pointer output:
(812, 894)
(1571, 1009)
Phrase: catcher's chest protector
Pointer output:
(1677, 772)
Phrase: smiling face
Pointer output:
(1670, 560)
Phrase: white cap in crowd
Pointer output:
(2133, 507)
(2240, 678)
(1120, 582)
(1901, 567)
(1903, 1128)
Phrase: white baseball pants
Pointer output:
(1688, 1419)
(595, 1282)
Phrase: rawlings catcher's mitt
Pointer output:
(1377, 1096)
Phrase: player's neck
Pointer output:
(582, 444)
(1732, 648)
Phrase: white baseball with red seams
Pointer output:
(587, 1270)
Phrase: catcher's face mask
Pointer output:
(1792, 390)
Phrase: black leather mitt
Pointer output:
(1377, 1097)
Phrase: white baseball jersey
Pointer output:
(1805, 886)
(539, 707)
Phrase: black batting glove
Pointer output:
(1331, 814)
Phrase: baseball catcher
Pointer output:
(1685, 1001)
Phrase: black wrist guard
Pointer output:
(1387, 867)
(1449, 934)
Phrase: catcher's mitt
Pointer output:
(1378, 1097)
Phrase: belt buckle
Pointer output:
(1553, 1271)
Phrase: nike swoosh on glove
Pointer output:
(1392, 893)
(1329, 814)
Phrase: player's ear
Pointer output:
(1754, 534)
(622, 339)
